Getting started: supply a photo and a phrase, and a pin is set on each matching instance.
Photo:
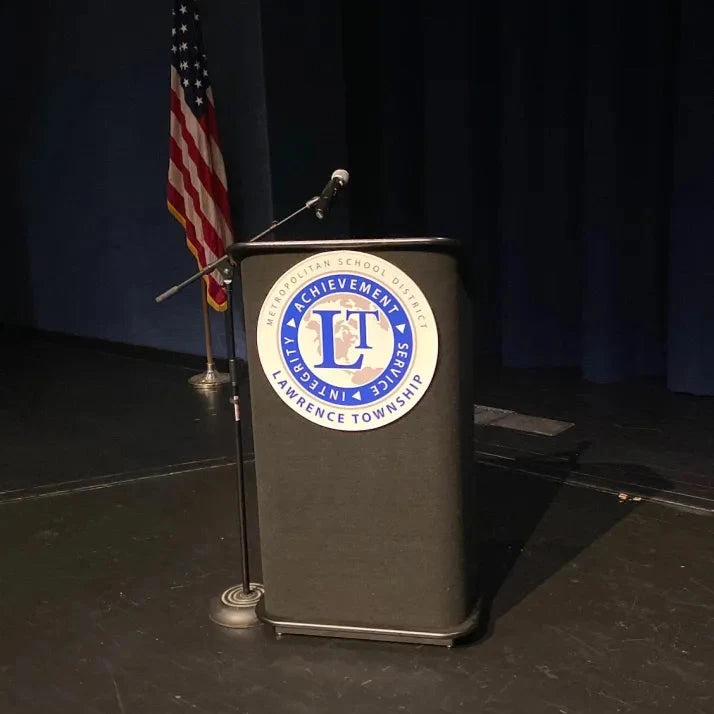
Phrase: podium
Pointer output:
(359, 359)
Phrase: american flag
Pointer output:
(197, 189)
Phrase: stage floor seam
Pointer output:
(100, 482)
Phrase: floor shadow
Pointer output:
(529, 526)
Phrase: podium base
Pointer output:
(445, 638)
(236, 609)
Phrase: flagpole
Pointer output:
(211, 378)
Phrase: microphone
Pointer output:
(338, 180)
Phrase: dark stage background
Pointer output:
(568, 144)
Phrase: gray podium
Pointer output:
(364, 534)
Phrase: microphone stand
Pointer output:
(236, 606)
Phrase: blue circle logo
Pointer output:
(347, 325)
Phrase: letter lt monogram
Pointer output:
(327, 322)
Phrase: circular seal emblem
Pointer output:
(347, 340)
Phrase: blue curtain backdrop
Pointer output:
(568, 144)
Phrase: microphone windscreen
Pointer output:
(341, 175)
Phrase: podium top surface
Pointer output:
(294, 246)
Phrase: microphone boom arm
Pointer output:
(233, 248)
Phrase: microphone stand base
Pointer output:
(235, 608)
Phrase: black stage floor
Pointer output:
(118, 525)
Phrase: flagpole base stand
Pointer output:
(210, 379)
(236, 609)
